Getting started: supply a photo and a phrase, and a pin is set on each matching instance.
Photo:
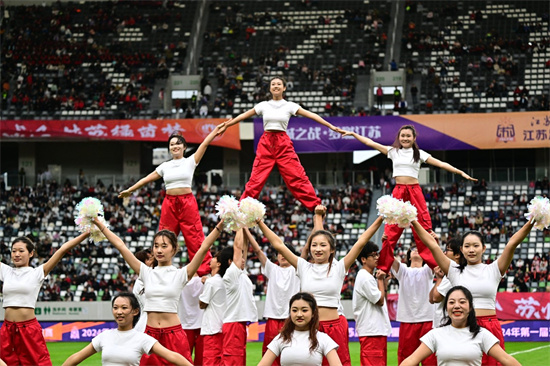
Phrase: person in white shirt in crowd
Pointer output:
(125, 345)
(281, 286)
(212, 300)
(414, 311)
(370, 309)
(138, 290)
(21, 339)
(190, 315)
(163, 285)
(300, 342)
(406, 159)
(461, 341)
(276, 147)
(240, 305)
(180, 212)
(481, 279)
(324, 277)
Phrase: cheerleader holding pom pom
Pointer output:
(406, 158)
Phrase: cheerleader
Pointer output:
(125, 345)
(281, 286)
(21, 339)
(461, 341)
(275, 146)
(240, 306)
(146, 257)
(300, 342)
(163, 285)
(324, 278)
(407, 158)
(190, 315)
(180, 211)
(480, 279)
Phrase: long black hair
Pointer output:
(224, 256)
(416, 150)
(134, 303)
(475, 233)
(472, 321)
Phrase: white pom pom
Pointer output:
(228, 210)
(252, 210)
(85, 212)
(539, 212)
(395, 211)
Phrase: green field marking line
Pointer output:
(529, 350)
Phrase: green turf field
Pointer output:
(527, 353)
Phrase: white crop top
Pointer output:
(21, 285)
(481, 279)
(163, 286)
(178, 173)
(403, 161)
(314, 279)
(276, 113)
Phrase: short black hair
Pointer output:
(367, 250)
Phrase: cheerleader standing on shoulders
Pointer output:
(163, 285)
(275, 146)
(407, 158)
(180, 212)
(21, 339)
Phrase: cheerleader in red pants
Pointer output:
(407, 158)
(275, 146)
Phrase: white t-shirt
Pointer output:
(325, 288)
(178, 173)
(21, 285)
(370, 318)
(481, 279)
(403, 161)
(444, 287)
(282, 285)
(456, 347)
(189, 312)
(240, 305)
(122, 348)
(163, 286)
(414, 291)
(213, 294)
(296, 352)
(142, 322)
(276, 113)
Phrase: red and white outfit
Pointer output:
(181, 213)
(404, 166)
(190, 315)
(213, 294)
(296, 352)
(163, 286)
(275, 147)
(414, 311)
(372, 321)
(482, 280)
(22, 343)
(122, 347)
(326, 287)
(240, 308)
(281, 286)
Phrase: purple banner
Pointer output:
(309, 136)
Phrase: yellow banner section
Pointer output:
(518, 130)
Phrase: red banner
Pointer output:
(194, 130)
(510, 305)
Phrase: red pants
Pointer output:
(181, 214)
(492, 324)
(213, 350)
(409, 340)
(173, 338)
(412, 193)
(195, 341)
(337, 329)
(22, 343)
(277, 148)
(234, 344)
(374, 350)
(272, 329)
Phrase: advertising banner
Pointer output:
(194, 130)
(434, 132)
